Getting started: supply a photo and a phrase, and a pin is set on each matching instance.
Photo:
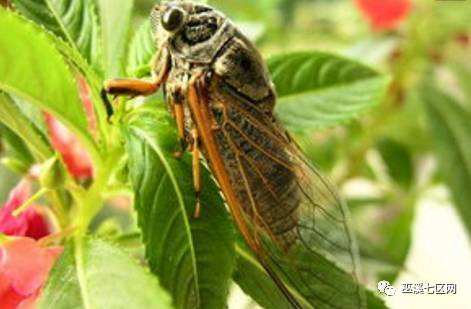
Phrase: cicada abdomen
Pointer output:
(219, 90)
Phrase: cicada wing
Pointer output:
(289, 215)
(298, 217)
(307, 241)
(323, 262)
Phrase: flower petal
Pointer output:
(384, 14)
(9, 299)
(10, 225)
(38, 225)
(26, 274)
(30, 223)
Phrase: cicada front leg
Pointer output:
(132, 87)
(140, 87)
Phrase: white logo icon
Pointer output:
(386, 288)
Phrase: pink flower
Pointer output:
(24, 268)
(75, 157)
(384, 14)
(30, 223)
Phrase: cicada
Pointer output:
(219, 91)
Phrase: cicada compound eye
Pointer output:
(172, 19)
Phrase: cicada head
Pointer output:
(192, 31)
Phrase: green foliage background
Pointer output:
(345, 91)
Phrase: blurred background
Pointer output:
(404, 167)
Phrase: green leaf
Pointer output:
(15, 153)
(141, 52)
(194, 258)
(33, 113)
(97, 275)
(14, 120)
(14, 147)
(115, 20)
(451, 132)
(398, 161)
(254, 281)
(317, 90)
(25, 71)
(74, 21)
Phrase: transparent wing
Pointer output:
(324, 257)
(294, 213)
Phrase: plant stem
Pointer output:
(58, 208)
(90, 202)
(80, 268)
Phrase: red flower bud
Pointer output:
(75, 157)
